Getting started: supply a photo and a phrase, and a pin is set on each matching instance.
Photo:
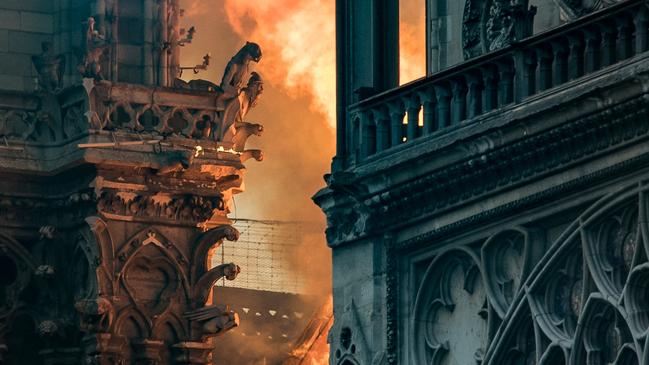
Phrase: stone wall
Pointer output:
(24, 25)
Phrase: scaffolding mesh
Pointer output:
(264, 252)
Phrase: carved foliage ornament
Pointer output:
(186, 208)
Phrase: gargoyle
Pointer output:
(95, 47)
(96, 314)
(248, 154)
(238, 68)
(243, 130)
(237, 109)
(205, 284)
(50, 68)
(215, 319)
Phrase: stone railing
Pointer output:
(505, 77)
(126, 114)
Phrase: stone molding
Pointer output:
(498, 169)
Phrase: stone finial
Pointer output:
(95, 46)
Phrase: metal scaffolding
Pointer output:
(266, 253)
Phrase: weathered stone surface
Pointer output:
(505, 226)
(111, 197)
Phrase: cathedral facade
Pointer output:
(494, 211)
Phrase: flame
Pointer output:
(298, 44)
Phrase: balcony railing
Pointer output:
(497, 79)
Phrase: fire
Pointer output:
(298, 38)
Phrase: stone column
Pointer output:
(624, 38)
(641, 21)
(544, 70)
(458, 113)
(413, 106)
(443, 106)
(382, 120)
(592, 52)
(575, 56)
(396, 122)
(490, 89)
(505, 84)
(607, 48)
(430, 117)
(474, 96)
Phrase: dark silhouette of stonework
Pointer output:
(495, 211)
(115, 186)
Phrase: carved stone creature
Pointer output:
(238, 68)
(237, 109)
(96, 314)
(95, 47)
(50, 68)
(215, 319)
(248, 154)
(207, 280)
(243, 130)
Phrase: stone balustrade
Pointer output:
(506, 77)
(128, 112)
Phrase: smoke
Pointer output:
(412, 40)
(296, 109)
(299, 42)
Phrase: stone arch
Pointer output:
(603, 316)
(153, 279)
(506, 259)
(448, 314)
(132, 324)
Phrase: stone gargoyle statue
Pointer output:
(94, 47)
(238, 69)
(206, 282)
(215, 320)
(50, 68)
(237, 109)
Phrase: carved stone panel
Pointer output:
(450, 315)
